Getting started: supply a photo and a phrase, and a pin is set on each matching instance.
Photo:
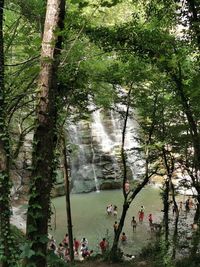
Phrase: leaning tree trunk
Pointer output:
(114, 250)
(5, 251)
(45, 138)
(130, 195)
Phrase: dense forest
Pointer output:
(58, 59)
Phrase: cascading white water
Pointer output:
(99, 133)
(93, 168)
(131, 133)
(96, 161)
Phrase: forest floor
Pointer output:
(99, 263)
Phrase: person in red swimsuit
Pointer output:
(103, 245)
(141, 214)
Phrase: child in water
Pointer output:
(123, 238)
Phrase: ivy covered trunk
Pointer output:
(5, 251)
(45, 137)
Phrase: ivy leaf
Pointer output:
(27, 252)
(43, 239)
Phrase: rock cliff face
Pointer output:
(95, 158)
(94, 148)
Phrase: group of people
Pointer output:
(111, 210)
(141, 218)
(189, 205)
(134, 223)
(123, 236)
(81, 247)
(63, 250)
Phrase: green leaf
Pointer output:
(27, 252)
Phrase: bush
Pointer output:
(188, 262)
(54, 261)
(157, 254)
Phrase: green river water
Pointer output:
(90, 219)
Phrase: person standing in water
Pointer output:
(150, 218)
(141, 214)
(103, 245)
(133, 224)
(115, 211)
(123, 238)
(84, 242)
(127, 187)
(115, 226)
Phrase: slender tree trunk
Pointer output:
(128, 196)
(175, 234)
(4, 160)
(196, 233)
(114, 250)
(197, 212)
(194, 7)
(190, 118)
(169, 165)
(194, 133)
(166, 210)
(114, 254)
(45, 137)
(67, 195)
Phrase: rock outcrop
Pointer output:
(94, 148)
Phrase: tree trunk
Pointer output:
(114, 250)
(194, 133)
(4, 160)
(67, 195)
(130, 195)
(166, 210)
(193, 6)
(196, 233)
(114, 253)
(45, 138)
(175, 234)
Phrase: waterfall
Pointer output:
(131, 145)
(99, 132)
(93, 168)
(96, 145)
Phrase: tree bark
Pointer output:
(45, 137)
(67, 196)
(4, 159)
(194, 9)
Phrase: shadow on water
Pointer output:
(90, 220)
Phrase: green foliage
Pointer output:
(192, 262)
(157, 254)
(138, 48)
(54, 261)
(27, 252)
